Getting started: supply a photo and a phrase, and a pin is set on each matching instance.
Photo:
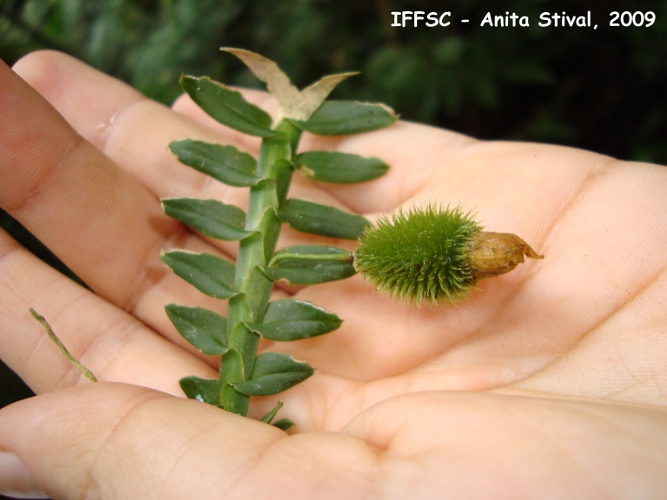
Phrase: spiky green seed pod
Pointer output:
(419, 255)
(434, 254)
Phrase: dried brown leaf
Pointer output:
(295, 104)
(314, 95)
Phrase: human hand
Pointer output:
(549, 381)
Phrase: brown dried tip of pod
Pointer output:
(492, 254)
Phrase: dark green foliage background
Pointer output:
(602, 90)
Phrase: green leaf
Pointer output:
(210, 217)
(310, 265)
(204, 329)
(324, 220)
(245, 341)
(210, 274)
(288, 319)
(274, 372)
(283, 424)
(340, 168)
(205, 390)
(234, 361)
(227, 106)
(347, 117)
(224, 163)
(268, 418)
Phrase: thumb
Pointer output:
(108, 440)
(120, 441)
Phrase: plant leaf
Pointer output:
(233, 358)
(209, 274)
(204, 329)
(314, 95)
(227, 106)
(268, 418)
(309, 217)
(205, 390)
(347, 117)
(293, 103)
(310, 265)
(247, 347)
(274, 372)
(283, 424)
(341, 168)
(288, 319)
(224, 163)
(210, 217)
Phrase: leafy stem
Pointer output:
(254, 287)
(248, 283)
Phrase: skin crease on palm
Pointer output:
(549, 382)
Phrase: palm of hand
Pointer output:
(566, 350)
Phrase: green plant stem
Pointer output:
(249, 306)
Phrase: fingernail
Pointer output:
(16, 480)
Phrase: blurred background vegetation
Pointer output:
(602, 90)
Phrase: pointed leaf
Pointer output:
(210, 274)
(324, 220)
(210, 217)
(347, 117)
(205, 390)
(341, 168)
(268, 418)
(227, 106)
(283, 424)
(310, 265)
(204, 329)
(234, 361)
(288, 319)
(224, 163)
(274, 372)
(245, 341)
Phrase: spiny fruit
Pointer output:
(435, 254)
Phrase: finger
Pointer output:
(165, 447)
(452, 444)
(110, 342)
(135, 133)
(106, 226)
(121, 115)
(128, 128)
(131, 130)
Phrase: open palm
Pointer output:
(548, 381)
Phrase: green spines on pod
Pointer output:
(419, 255)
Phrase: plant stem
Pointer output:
(274, 167)
(54, 338)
